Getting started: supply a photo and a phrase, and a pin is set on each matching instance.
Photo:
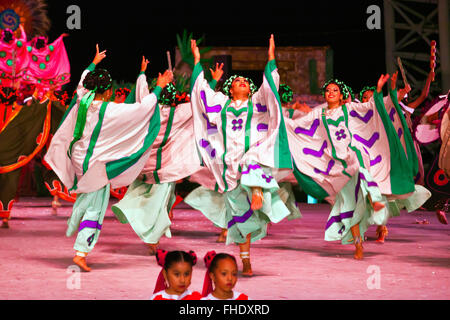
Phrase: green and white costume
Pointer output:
(172, 157)
(329, 164)
(243, 144)
(113, 149)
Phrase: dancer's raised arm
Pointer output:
(99, 56)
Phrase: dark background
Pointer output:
(130, 29)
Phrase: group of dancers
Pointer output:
(246, 147)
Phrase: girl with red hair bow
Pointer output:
(222, 271)
(175, 277)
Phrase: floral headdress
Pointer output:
(227, 85)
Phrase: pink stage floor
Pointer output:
(292, 263)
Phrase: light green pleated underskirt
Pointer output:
(146, 208)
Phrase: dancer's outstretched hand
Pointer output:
(164, 79)
(195, 51)
(144, 64)
(394, 80)
(381, 82)
(218, 72)
(99, 56)
(301, 107)
(271, 48)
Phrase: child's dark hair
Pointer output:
(173, 257)
(218, 257)
(99, 79)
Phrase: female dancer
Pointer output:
(149, 199)
(241, 138)
(98, 145)
(373, 142)
(329, 166)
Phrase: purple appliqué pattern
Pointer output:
(364, 119)
(309, 132)
(261, 127)
(341, 134)
(375, 161)
(330, 166)
(237, 124)
(391, 114)
(89, 224)
(251, 167)
(210, 128)
(317, 154)
(214, 109)
(261, 108)
(243, 218)
(205, 144)
(339, 218)
(267, 178)
(368, 143)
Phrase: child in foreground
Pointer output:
(222, 270)
(175, 277)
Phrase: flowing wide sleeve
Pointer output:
(317, 172)
(271, 146)
(207, 108)
(173, 155)
(116, 150)
(373, 132)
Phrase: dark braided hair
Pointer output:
(179, 256)
(217, 258)
(99, 79)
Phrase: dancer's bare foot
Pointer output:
(222, 236)
(81, 262)
(152, 248)
(359, 254)
(257, 199)
(5, 223)
(382, 232)
(246, 265)
(377, 206)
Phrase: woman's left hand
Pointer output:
(271, 48)
(381, 82)
(144, 64)
(218, 72)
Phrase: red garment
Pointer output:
(187, 295)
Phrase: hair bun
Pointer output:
(194, 257)
(161, 257)
(209, 256)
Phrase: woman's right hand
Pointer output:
(144, 64)
(381, 82)
(195, 51)
(218, 72)
(99, 56)
(164, 79)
